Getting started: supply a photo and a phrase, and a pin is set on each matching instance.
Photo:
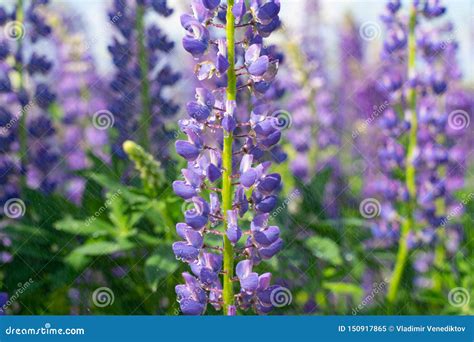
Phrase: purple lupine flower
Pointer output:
(435, 147)
(215, 116)
(139, 105)
(312, 106)
(28, 103)
(81, 95)
(3, 301)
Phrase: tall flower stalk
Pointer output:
(410, 171)
(222, 134)
(138, 105)
(24, 90)
(416, 150)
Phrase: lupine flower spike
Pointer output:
(227, 183)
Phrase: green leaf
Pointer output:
(103, 248)
(94, 228)
(324, 248)
(345, 289)
(161, 264)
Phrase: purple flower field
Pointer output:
(236, 157)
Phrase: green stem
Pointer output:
(228, 290)
(22, 129)
(146, 117)
(408, 224)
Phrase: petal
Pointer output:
(264, 281)
(259, 222)
(249, 283)
(195, 221)
(259, 67)
(211, 4)
(228, 123)
(194, 238)
(207, 276)
(268, 252)
(268, 236)
(194, 46)
(246, 162)
(187, 150)
(183, 190)
(267, 204)
(248, 178)
(184, 251)
(243, 269)
(269, 183)
(181, 229)
(182, 292)
(234, 233)
(252, 53)
(268, 11)
(222, 64)
(191, 307)
(213, 173)
(205, 97)
(198, 111)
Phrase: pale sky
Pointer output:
(461, 12)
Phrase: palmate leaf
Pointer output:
(103, 247)
(95, 228)
(325, 249)
(160, 265)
